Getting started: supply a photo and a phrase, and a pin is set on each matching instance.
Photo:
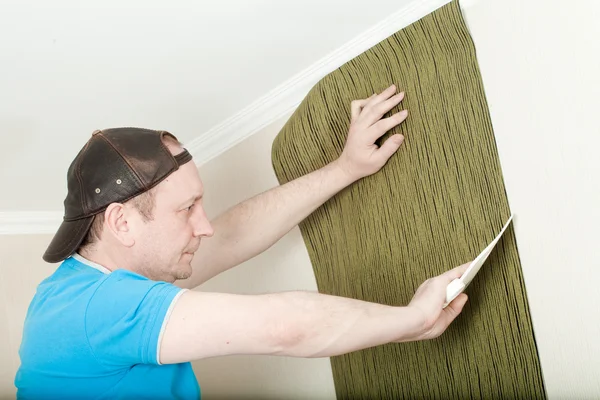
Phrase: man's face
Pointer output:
(164, 247)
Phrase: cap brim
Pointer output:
(67, 239)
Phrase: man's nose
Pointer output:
(202, 226)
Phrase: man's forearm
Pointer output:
(254, 225)
(324, 326)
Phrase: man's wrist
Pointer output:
(412, 322)
(344, 171)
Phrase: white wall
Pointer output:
(70, 67)
(540, 61)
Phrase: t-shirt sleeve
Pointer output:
(125, 318)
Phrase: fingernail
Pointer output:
(404, 113)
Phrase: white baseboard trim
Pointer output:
(262, 112)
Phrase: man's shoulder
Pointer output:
(82, 284)
(122, 284)
(69, 283)
(91, 331)
(73, 275)
(70, 272)
(54, 325)
(125, 317)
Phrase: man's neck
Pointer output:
(90, 263)
(95, 256)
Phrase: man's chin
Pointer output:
(183, 271)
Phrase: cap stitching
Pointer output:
(78, 174)
(166, 149)
(127, 162)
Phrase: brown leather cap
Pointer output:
(115, 165)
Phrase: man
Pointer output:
(115, 320)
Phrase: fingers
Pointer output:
(381, 127)
(453, 310)
(386, 94)
(390, 103)
(455, 273)
(355, 108)
(373, 110)
(389, 148)
(456, 305)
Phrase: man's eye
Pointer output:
(190, 207)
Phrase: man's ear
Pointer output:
(116, 223)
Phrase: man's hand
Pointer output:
(361, 156)
(429, 300)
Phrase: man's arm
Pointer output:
(254, 225)
(302, 324)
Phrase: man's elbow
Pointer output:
(289, 329)
(285, 337)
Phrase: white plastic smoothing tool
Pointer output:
(458, 285)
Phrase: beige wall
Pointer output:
(21, 269)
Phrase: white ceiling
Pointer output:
(69, 67)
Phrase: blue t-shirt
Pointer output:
(92, 333)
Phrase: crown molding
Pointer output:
(29, 222)
(262, 112)
(287, 96)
